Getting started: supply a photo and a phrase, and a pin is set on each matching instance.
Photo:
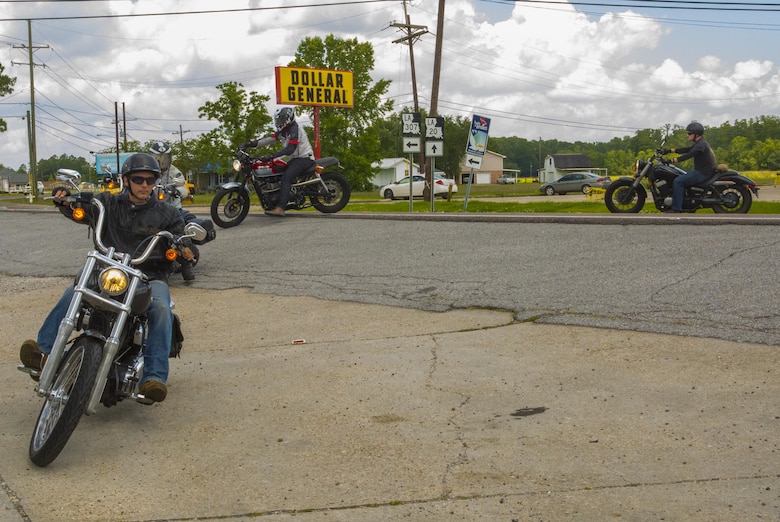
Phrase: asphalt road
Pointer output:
(704, 276)
(455, 368)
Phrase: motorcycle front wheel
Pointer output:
(736, 199)
(66, 402)
(622, 198)
(337, 196)
(229, 207)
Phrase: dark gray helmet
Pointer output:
(695, 128)
(141, 162)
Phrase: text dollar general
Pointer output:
(302, 86)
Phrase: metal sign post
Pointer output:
(434, 146)
(411, 132)
(475, 149)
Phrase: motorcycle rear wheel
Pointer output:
(622, 198)
(229, 207)
(66, 402)
(737, 200)
(339, 194)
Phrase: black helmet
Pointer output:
(162, 153)
(283, 117)
(141, 162)
(695, 128)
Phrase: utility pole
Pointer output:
(435, 95)
(181, 136)
(413, 33)
(31, 123)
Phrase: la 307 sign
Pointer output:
(320, 87)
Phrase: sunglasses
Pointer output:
(139, 180)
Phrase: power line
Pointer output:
(207, 11)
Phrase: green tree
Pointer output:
(47, 168)
(242, 116)
(6, 87)
(352, 134)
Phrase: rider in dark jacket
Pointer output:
(132, 217)
(296, 147)
(704, 164)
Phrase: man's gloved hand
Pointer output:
(665, 151)
(266, 158)
(247, 144)
(59, 194)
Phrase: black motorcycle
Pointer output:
(726, 191)
(325, 190)
(104, 362)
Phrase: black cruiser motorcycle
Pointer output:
(726, 191)
(104, 362)
(325, 190)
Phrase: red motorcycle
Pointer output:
(319, 187)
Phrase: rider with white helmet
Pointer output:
(295, 146)
(170, 174)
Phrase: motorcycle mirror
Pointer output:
(195, 231)
(69, 176)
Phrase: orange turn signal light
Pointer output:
(79, 214)
(171, 254)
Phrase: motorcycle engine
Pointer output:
(270, 187)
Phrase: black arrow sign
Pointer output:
(412, 144)
(472, 160)
(433, 149)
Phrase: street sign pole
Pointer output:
(411, 179)
(475, 149)
(411, 133)
(434, 146)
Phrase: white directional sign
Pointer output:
(411, 131)
(434, 137)
(477, 144)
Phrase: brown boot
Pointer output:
(32, 356)
(278, 211)
(154, 390)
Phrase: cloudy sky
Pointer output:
(539, 69)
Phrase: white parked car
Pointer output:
(400, 189)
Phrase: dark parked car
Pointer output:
(575, 182)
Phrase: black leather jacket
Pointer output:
(128, 225)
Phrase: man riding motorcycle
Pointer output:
(132, 216)
(704, 164)
(295, 145)
(170, 175)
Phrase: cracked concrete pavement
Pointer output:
(448, 412)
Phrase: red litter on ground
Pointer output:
(299, 341)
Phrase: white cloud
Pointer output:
(542, 72)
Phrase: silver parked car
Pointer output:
(575, 182)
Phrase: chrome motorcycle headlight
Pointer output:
(236, 165)
(113, 281)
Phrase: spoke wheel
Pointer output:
(229, 207)
(337, 195)
(66, 402)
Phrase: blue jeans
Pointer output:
(158, 342)
(688, 179)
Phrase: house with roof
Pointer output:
(14, 182)
(491, 169)
(558, 165)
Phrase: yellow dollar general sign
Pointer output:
(320, 87)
